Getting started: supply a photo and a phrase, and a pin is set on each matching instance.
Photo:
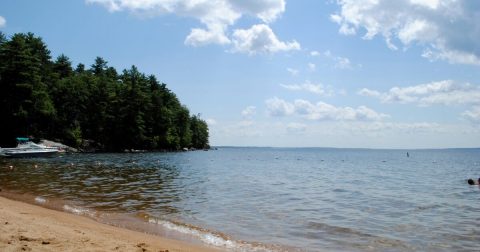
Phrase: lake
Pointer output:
(268, 199)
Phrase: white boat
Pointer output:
(26, 148)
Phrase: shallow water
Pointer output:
(270, 198)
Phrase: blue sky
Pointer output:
(370, 73)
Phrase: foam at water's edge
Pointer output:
(79, 210)
(205, 236)
(212, 238)
(40, 200)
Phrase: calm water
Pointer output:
(270, 199)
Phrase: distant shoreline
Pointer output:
(348, 148)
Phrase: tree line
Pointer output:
(94, 106)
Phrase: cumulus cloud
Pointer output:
(321, 111)
(309, 87)
(369, 92)
(217, 16)
(446, 92)
(249, 111)
(266, 10)
(312, 67)
(279, 107)
(3, 22)
(201, 37)
(260, 39)
(314, 53)
(208, 11)
(448, 30)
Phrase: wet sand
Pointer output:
(25, 227)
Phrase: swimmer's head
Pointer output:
(471, 182)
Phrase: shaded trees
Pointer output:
(199, 129)
(50, 99)
(26, 107)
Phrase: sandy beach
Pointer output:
(25, 227)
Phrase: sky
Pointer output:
(282, 73)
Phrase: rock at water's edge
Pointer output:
(60, 146)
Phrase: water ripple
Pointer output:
(300, 199)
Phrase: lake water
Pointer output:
(269, 199)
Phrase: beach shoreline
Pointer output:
(27, 227)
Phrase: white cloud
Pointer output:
(249, 111)
(446, 92)
(314, 53)
(295, 131)
(325, 111)
(111, 5)
(369, 92)
(336, 18)
(260, 39)
(452, 56)
(292, 71)
(447, 29)
(218, 12)
(266, 10)
(309, 87)
(432, 4)
(473, 114)
(312, 67)
(200, 37)
(217, 16)
(345, 29)
(279, 107)
(321, 111)
(417, 29)
(346, 133)
(3, 22)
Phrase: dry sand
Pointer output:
(25, 227)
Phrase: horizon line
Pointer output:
(351, 148)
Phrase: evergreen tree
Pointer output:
(44, 98)
(63, 67)
(26, 105)
(199, 129)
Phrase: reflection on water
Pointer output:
(272, 199)
(106, 182)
